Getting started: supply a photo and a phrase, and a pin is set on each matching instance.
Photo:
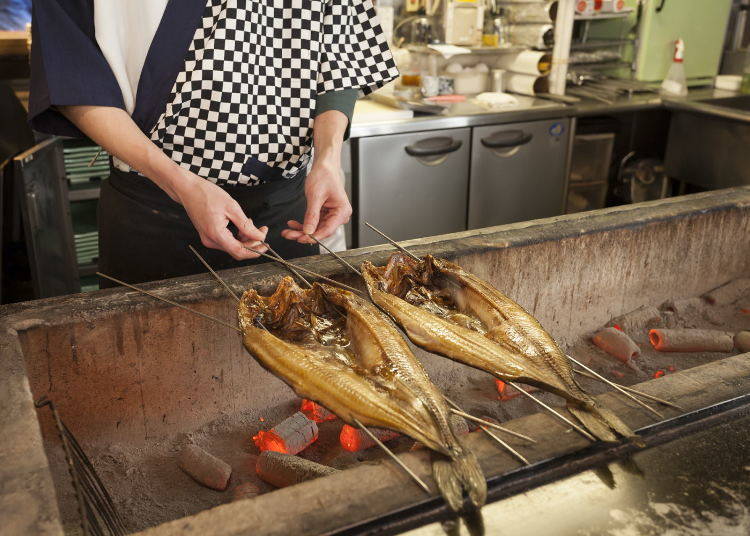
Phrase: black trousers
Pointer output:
(144, 235)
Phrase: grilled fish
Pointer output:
(333, 347)
(451, 312)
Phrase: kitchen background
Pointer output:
(505, 112)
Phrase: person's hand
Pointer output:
(327, 205)
(211, 209)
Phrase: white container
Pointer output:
(729, 82)
(469, 82)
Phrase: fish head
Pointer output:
(281, 308)
(373, 277)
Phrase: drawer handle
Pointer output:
(506, 143)
(437, 146)
(506, 139)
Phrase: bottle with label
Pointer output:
(676, 82)
(495, 29)
(585, 7)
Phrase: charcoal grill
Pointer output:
(131, 376)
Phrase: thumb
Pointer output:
(312, 215)
(244, 224)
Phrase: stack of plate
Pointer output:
(87, 247)
(77, 168)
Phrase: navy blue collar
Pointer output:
(165, 59)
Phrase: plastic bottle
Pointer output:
(676, 82)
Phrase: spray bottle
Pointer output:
(676, 83)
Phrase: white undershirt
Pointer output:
(124, 31)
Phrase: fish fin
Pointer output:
(458, 475)
(602, 422)
(474, 522)
(447, 483)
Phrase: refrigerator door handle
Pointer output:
(433, 151)
(507, 143)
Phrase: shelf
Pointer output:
(83, 194)
(424, 49)
(604, 64)
(604, 16)
(600, 43)
(87, 269)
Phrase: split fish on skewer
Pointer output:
(335, 348)
(451, 312)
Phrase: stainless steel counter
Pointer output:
(467, 114)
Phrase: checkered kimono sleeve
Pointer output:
(355, 52)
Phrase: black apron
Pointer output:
(144, 235)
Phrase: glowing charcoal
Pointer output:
(508, 392)
(354, 439)
(316, 412)
(291, 436)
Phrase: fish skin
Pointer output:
(512, 332)
(441, 336)
(385, 386)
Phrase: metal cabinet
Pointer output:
(412, 185)
(517, 172)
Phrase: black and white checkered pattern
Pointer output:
(241, 111)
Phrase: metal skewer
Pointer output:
(213, 273)
(554, 412)
(290, 267)
(634, 391)
(156, 296)
(338, 257)
(484, 428)
(395, 458)
(458, 411)
(507, 447)
(613, 384)
(392, 241)
(96, 157)
(484, 422)
(300, 268)
(532, 397)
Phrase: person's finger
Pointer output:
(290, 234)
(294, 231)
(207, 242)
(255, 245)
(227, 242)
(331, 222)
(245, 226)
(315, 202)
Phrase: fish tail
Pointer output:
(459, 475)
(601, 422)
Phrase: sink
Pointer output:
(740, 103)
